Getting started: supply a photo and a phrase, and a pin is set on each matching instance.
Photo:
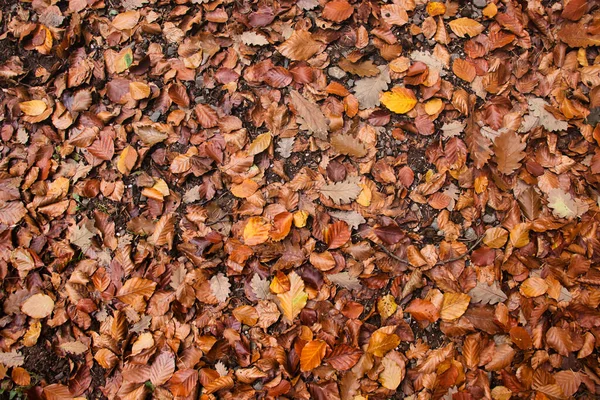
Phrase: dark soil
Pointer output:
(44, 365)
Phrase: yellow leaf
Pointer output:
(381, 342)
(454, 305)
(260, 144)
(294, 300)
(490, 10)
(533, 287)
(123, 60)
(399, 100)
(312, 354)
(519, 235)
(393, 372)
(387, 306)
(365, 196)
(466, 26)
(434, 106)
(435, 8)
(33, 108)
(38, 306)
(256, 231)
(139, 90)
(495, 238)
(300, 218)
(127, 160)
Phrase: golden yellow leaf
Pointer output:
(381, 342)
(435, 8)
(495, 238)
(139, 90)
(256, 231)
(519, 235)
(33, 108)
(312, 354)
(300, 218)
(387, 306)
(365, 196)
(466, 26)
(127, 160)
(294, 300)
(399, 100)
(490, 10)
(454, 305)
(533, 287)
(260, 144)
(33, 333)
(393, 372)
(434, 106)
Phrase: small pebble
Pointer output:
(489, 218)
(155, 116)
(336, 72)
(480, 3)
(470, 234)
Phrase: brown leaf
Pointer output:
(508, 150)
(162, 368)
(299, 46)
(336, 234)
(344, 357)
(313, 119)
(337, 10)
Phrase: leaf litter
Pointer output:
(337, 199)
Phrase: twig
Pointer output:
(404, 261)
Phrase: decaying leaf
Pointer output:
(310, 114)
(342, 192)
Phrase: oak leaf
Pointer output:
(368, 90)
(342, 192)
(344, 279)
(220, 287)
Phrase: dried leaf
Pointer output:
(313, 119)
(294, 300)
(368, 90)
(220, 287)
(342, 192)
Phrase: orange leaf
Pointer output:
(337, 234)
(464, 70)
(127, 160)
(533, 287)
(282, 223)
(256, 231)
(466, 26)
(20, 376)
(495, 238)
(454, 305)
(312, 354)
(380, 343)
(394, 14)
(337, 10)
(162, 368)
(245, 189)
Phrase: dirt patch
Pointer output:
(44, 365)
